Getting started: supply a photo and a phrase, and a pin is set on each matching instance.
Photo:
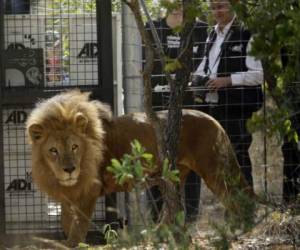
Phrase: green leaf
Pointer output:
(147, 156)
(122, 179)
(172, 65)
(83, 245)
(110, 169)
(106, 227)
(174, 176)
(139, 171)
(165, 168)
(116, 164)
(136, 146)
(180, 218)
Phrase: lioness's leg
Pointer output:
(183, 173)
(208, 152)
(222, 174)
(66, 218)
(80, 221)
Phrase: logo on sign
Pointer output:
(88, 52)
(20, 186)
(16, 117)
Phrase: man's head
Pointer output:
(222, 11)
(174, 13)
(174, 7)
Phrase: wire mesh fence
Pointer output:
(48, 46)
(62, 38)
(53, 45)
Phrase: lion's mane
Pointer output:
(58, 113)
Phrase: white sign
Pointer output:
(83, 50)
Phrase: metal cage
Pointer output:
(46, 46)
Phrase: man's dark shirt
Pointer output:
(171, 44)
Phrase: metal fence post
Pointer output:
(105, 76)
(104, 37)
(2, 80)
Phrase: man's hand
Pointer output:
(219, 82)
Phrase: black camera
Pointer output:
(199, 81)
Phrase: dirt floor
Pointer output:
(28, 242)
(42, 241)
(273, 233)
(274, 230)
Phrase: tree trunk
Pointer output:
(167, 134)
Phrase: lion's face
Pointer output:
(63, 153)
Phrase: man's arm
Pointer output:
(254, 75)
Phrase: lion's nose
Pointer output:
(69, 169)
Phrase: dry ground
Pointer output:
(271, 234)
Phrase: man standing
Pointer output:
(233, 79)
(168, 32)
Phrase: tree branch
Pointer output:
(150, 52)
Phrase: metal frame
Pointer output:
(105, 73)
(105, 64)
(103, 91)
(26, 97)
(2, 79)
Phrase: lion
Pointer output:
(74, 138)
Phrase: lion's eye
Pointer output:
(53, 151)
(74, 147)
